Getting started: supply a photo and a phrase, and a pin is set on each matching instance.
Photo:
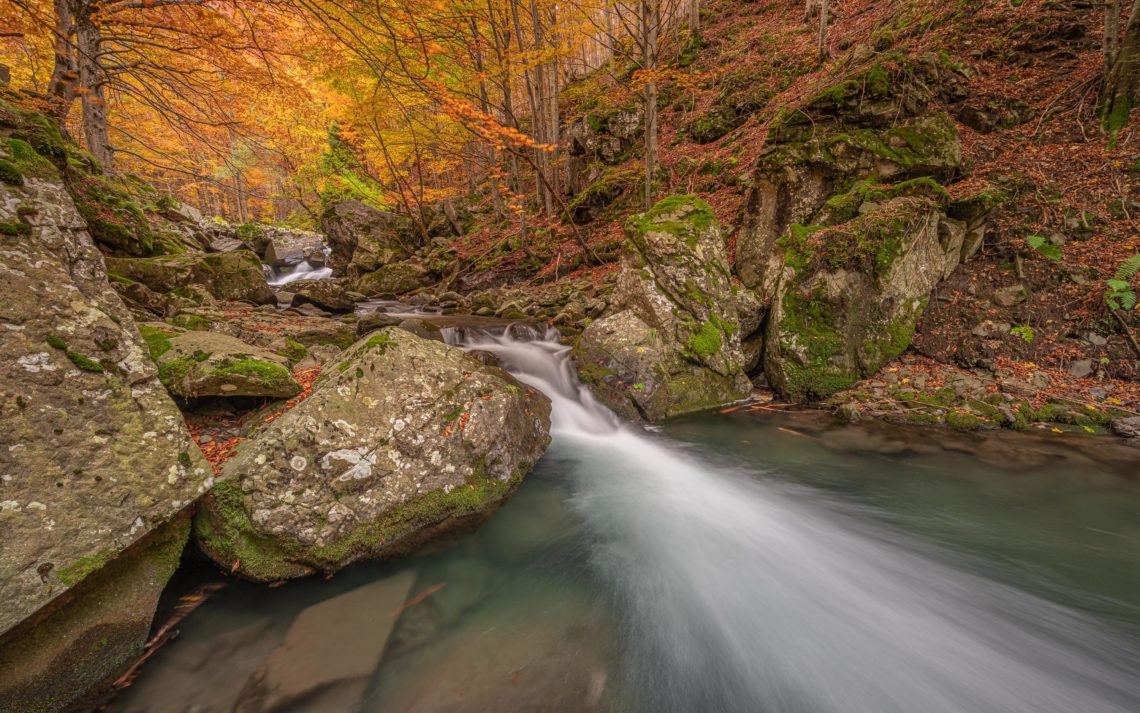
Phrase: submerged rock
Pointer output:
(234, 275)
(336, 644)
(93, 456)
(672, 344)
(403, 440)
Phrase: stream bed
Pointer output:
(737, 562)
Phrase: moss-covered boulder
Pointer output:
(197, 363)
(93, 456)
(395, 278)
(401, 441)
(873, 127)
(849, 296)
(234, 275)
(672, 343)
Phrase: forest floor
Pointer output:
(1029, 127)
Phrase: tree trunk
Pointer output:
(1122, 85)
(823, 29)
(65, 72)
(92, 80)
(650, 14)
(1111, 32)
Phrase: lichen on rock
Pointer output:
(402, 440)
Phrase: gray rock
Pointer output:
(831, 323)
(1095, 339)
(326, 294)
(1010, 295)
(362, 239)
(94, 456)
(402, 440)
(1081, 368)
(1127, 427)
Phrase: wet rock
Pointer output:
(309, 310)
(402, 440)
(283, 246)
(235, 275)
(1010, 296)
(672, 344)
(94, 456)
(200, 363)
(1127, 427)
(337, 644)
(371, 321)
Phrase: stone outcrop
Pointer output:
(599, 140)
(401, 440)
(94, 456)
(672, 341)
(234, 275)
(361, 238)
(872, 126)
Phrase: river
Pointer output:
(735, 563)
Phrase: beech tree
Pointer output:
(1122, 64)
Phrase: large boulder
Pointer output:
(362, 238)
(195, 364)
(234, 275)
(849, 296)
(402, 440)
(672, 343)
(326, 294)
(96, 464)
(873, 125)
(395, 278)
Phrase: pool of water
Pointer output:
(746, 562)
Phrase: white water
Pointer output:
(303, 270)
(736, 592)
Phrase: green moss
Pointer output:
(706, 341)
(962, 421)
(157, 339)
(249, 232)
(293, 350)
(10, 174)
(14, 229)
(379, 341)
(173, 372)
(27, 161)
(77, 571)
(264, 371)
(225, 530)
(79, 360)
(191, 321)
(684, 216)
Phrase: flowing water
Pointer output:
(729, 563)
(303, 270)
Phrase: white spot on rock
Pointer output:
(298, 463)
